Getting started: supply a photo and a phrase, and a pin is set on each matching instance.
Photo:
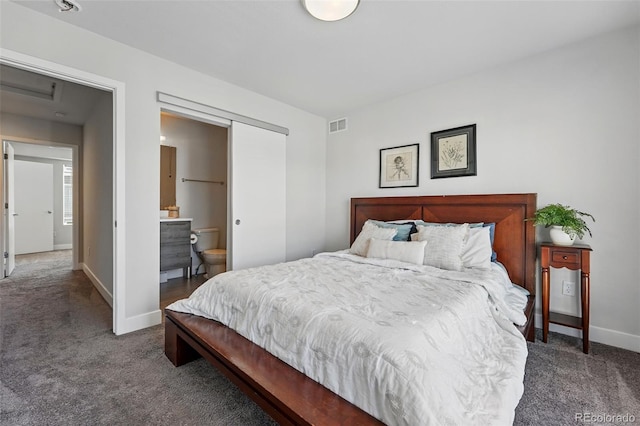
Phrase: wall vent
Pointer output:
(339, 125)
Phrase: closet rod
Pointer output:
(200, 180)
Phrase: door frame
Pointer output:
(8, 222)
(117, 88)
(214, 121)
(75, 164)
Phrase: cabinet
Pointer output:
(576, 257)
(167, 176)
(175, 245)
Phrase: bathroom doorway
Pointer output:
(199, 173)
(256, 184)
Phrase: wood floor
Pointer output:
(179, 288)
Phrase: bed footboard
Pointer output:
(287, 395)
(176, 349)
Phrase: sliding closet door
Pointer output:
(258, 197)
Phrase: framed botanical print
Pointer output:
(453, 152)
(399, 166)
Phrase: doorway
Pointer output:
(39, 193)
(108, 135)
(196, 183)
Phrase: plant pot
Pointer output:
(561, 238)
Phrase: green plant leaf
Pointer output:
(570, 219)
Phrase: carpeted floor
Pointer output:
(60, 364)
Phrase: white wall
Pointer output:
(563, 124)
(97, 190)
(33, 129)
(43, 151)
(33, 34)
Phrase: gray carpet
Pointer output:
(60, 364)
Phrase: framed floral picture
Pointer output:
(453, 152)
(399, 166)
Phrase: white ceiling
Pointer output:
(30, 94)
(385, 49)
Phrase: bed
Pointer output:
(287, 394)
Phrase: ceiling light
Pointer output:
(68, 6)
(330, 10)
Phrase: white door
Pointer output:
(258, 197)
(33, 206)
(9, 211)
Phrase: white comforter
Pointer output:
(410, 345)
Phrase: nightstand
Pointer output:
(575, 257)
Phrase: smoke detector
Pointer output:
(68, 5)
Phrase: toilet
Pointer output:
(206, 247)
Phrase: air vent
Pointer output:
(339, 125)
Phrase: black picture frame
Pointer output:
(399, 166)
(453, 152)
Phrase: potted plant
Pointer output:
(566, 223)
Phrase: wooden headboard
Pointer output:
(515, 241)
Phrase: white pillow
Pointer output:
(444, 245)
(404, 251)
(369, 230)
(476, 251)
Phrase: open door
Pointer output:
(258, 197)
(9, 210)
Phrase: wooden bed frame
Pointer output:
(292, 398)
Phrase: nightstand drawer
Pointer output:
(565, 257)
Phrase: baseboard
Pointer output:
(139, 322)
(598, 334)
(170, 274)
(129, 324)
(106, 295)
(62, 246)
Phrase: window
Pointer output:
(67, 195)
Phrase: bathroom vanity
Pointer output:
(175, 244)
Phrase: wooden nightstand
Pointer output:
(575, 257)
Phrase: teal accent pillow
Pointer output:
(403, 229)
(492, 235)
